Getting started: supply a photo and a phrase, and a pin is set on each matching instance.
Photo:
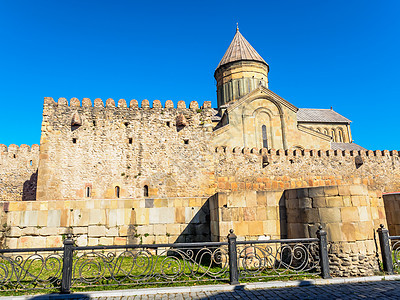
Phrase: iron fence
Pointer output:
(78, 267)
(390, 249)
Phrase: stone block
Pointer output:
(241, 228)
(82, 240)
(330, 215)
(97, 217)
(270, 227)
(48, 231)
(366, 230)
(40, 241)
(347, 201)
(261, 213)
(302, 193)
(334, 231)
(358, 190)
(350, 231)
(161, 239)
(363, 213)
(15, 232)
(79, 230)
(161, 203)
(160, 229)
(256, 228)
(331, 190)
(236, 199)
(30, 231)
(142, 216)
(272, 213)
(191, 215)
(261, 198)
(96, 231)
(29, 218)
(123, 230)
(162, 215)
(42, 218)
(93, 241)
(12, 243)
(179, 214)
(292, 203)
(173, 229)
(350, 214)
(344, 190)
(249, 214)
(334, 201)
(305, 202)
(54, 241)
(251, 198)
(311, 215)
(316, 192)
(291, 194)
(120, 241)
(113, 231)
(295, 230)
(106, 241)
(319, 202)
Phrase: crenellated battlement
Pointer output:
(19, 149)
(122, 103)
(307, 152)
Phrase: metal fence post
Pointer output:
(67, 265)
(384, 242)
(323, 253)
(232, 252)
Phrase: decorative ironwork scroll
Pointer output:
(278, 259)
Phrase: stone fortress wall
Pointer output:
(18, 172)
(170, 151)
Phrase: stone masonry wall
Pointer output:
(105, 222)
(252, 215)
(167, 149)
(241, 169)
(349, 213)
(18, 172)
(392, 209)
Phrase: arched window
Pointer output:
(326, 131)
(340, 136)
(333, 135)
(88, 192)
(319, 129)
(264, 136)
(146, 191)
(117, 191)
(238, 87)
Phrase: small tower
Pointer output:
(240, 71)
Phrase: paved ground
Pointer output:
(364, 290)
(375, 287)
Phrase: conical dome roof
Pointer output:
(240, 49)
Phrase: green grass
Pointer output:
(114, 274)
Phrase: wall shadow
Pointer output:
(283, 217)
(29, 188)
(198, 229)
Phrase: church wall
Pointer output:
(18, 172)
(341, 132)
(124, 147)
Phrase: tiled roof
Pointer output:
(320, 116)
(240, 49)
(346, 146)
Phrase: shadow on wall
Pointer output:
(283, 217)
(198, 229)
(29, 188)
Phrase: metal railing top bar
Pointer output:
(395, 237)
(32, 250)
(286, 241)
(151, 246)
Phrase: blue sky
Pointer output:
(343, 54)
